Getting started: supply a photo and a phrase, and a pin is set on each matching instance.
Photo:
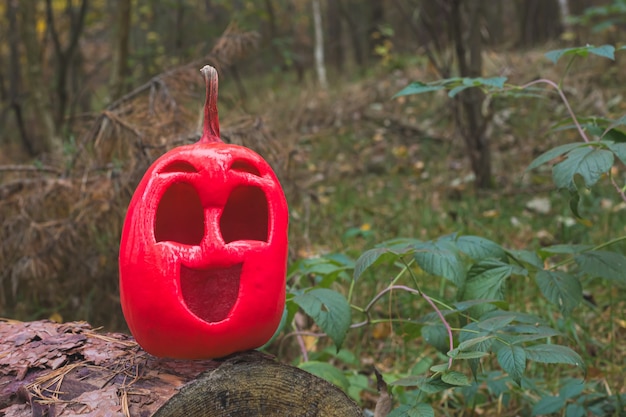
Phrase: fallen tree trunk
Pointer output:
(50, 369)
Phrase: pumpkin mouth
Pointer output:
(210, 293)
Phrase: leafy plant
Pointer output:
(472, 324)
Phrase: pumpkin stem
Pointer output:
(211, 130)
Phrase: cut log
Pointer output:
(50, 369)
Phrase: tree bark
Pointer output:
(64, 56)
(469, 118)
(15, 79)
(48, 141)
(119, 68)
(355, 37)
(70, 369)
(320, 67)
(540, 21)
(334, 38)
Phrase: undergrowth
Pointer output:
(465, 303)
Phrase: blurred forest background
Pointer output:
(92, 91)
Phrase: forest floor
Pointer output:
(368, 168)
(360, 167)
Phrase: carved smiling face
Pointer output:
(203, 253)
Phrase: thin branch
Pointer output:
(31, 168)
(565, 101)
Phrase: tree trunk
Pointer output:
(346, 13)
(334, 41)
(540, 21)
(469, 118)
(47, 141)
(70, 369)
(15, 79)
(119, 67)
(375, 38)
(64, 56)
(320, 67)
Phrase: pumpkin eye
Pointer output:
(245, 215)
(179, 166)
(243, 166)
(179, 216)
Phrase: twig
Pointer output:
(25, 168)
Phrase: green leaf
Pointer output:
(531, 337)
(495, 82)
(329, 309)
(532, 329)
(606, 51)
(439, 368)
(614, 135)
(441, 259)
(466, 305)
(603, 264)
(359, 383)
(418, 87)
(512, 359)
(479, 248)
(565, 249)
(561, 289)
(572, 389)
(409, 381)
(548, 405)
(589, 162)
(495, 323)
(546, 353)
(477, 343)
(433, 384)
(456, 354)
(527, 258)
(399, 244)
(455, 378)
(553, 153)
(326, 371)
(619, 149)
(456, 90)
(519, 317)
(417, 410)
(437, 336)
(325, 269)
(485, 281)
(373, 257)
(575, 410)
(574, 203)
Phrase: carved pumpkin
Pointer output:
(204, 247)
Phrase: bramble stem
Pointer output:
(565, 101)
(211, 129)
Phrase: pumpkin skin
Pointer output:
(203, 253)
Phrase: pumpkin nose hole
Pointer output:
(245, 215)
(179, 216)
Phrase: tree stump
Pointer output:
(50, 369)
